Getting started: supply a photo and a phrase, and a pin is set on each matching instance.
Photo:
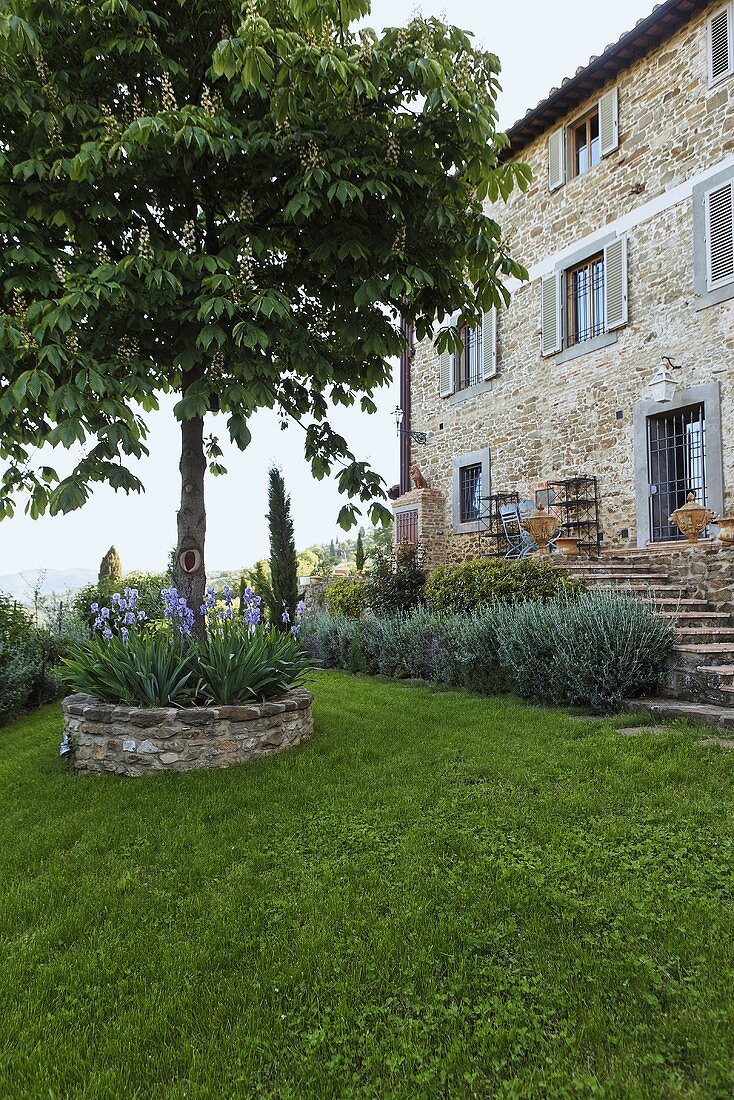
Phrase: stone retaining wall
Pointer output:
(137, 741)
(704, 571)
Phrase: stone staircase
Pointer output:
(700, 676)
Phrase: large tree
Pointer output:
(234, 202)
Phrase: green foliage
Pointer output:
(148, 586)
(236, 207)
(110, 570)
(239, 666)
(359, 555)
(150, 670)
(153, 668)
(396, 582)
(283, 561)
(346, 596)
(454, 650)
(29, 658)
(475, 584)
(595, 651)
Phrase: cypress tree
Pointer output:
(110, 569)
(359, 553)
(283, 561)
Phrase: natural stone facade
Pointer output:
(138, 741)
(548, 418)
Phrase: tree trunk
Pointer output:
(189, 573)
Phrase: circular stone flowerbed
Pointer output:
(107, 737)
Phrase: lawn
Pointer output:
(438, 896)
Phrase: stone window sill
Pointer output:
(714, 297)
(471, 391)
(604, 340)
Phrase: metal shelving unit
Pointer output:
(575, 500)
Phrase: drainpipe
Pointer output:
(406, 360)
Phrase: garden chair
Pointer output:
(520, 542)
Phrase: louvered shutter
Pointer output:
(615, 284)
(721, 43)
(550, 314)
(556, 165)
(489, 343)
(446, 374)
(720, 236)
(608, 122)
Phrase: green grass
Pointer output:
(438, 896)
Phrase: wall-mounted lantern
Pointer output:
(417, 437)
(663, 385)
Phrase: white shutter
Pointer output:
(556, 160)
(446, 374)
(608, 122)
(721, 43)
(550, 314)
(615, 284)
(720, 236)
(489, 343)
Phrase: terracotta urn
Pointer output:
(568, 546)
(541, 526)
(726, 530)
(692, 519)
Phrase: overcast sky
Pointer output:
(538, 44)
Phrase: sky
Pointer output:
(538, 44)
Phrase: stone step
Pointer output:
(700, 714)
(719, 670)
(594, 578)
(707, 618)
(667, 601)
(705, 649)
(706, 635)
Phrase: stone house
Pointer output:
(627, 232)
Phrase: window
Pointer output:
(576, 148)
(585, 300)
(471, 486)
(585, 143)
(475, 363)
(720, 31)
(470, 493)
(469, 361)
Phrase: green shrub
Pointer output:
(479, 583)
(395, 584)
(148, 585)
(593, 651)
(29, 658)
(346, 596)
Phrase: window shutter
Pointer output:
(556, 160)
(720, 236)
(550, 313)
(446, 374)
(489, 341)
(608, 122)
(721, 43)
(615, 284)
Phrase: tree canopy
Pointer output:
(235, 202)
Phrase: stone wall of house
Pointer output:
(140, 741)
(544, 419)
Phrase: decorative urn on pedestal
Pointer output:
(726, 530)
(691, 519)
(541, 526)
(568, 545)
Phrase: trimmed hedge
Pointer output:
(346, 596)
(484, 581)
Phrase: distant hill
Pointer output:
(21, 585)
